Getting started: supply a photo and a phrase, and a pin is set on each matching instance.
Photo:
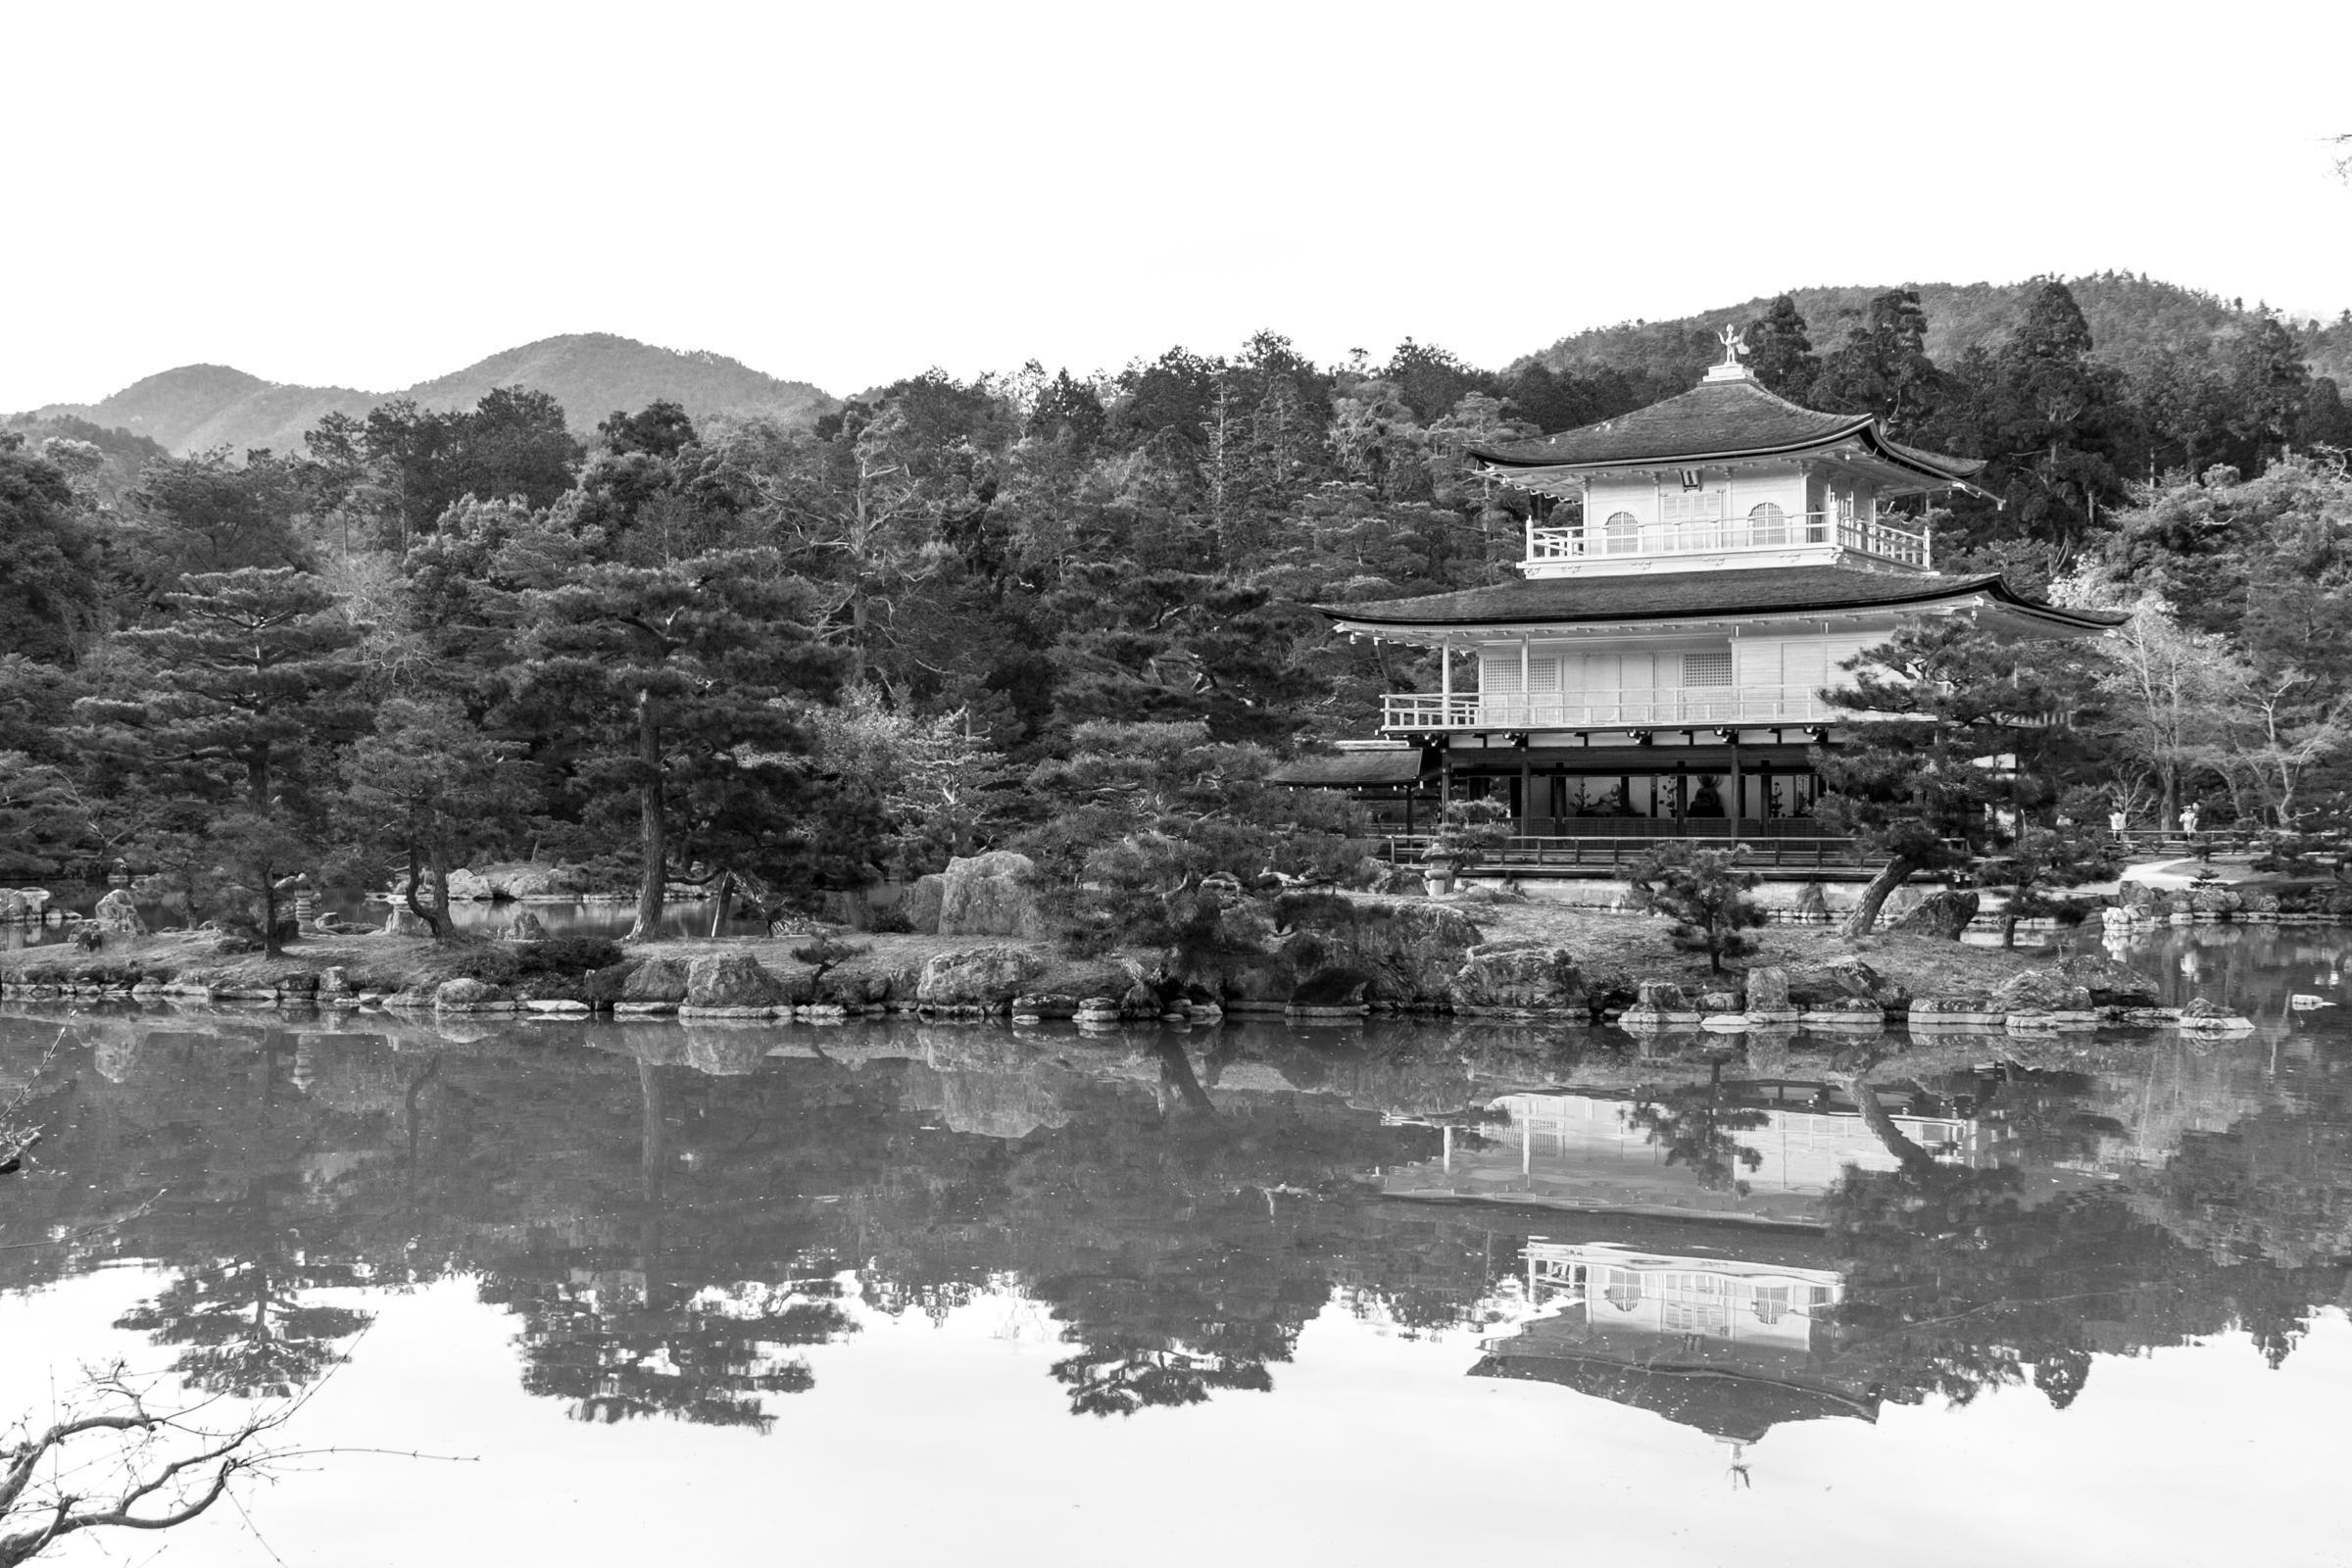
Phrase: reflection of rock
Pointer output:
(987, 896)
(1944, 912)
(726, 1053)
(977, 977)
(526, 927)
(1518, 977)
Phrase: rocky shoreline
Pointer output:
(1409, 958)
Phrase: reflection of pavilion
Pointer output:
(1730, 1344)
(1785, 1145)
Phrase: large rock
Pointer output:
(116, 916)
(2040, 991)
(1944, 914)
(1518, 977)
(1404, 951)
(464, 995)
(987, 896)
(732, 980)
(404, 921)
(655, 980)
(2110, 984)
(977, 977)
(922, 901)
(529, 880)
(1768, 993)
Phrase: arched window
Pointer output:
(1771, 1303)
(1767, 524)
(1624, 532)
(1624, 1291)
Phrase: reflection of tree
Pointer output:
(1959, 1279)
(1696, 1127)
(241, 1322)
(625, 1333)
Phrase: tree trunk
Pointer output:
(416, 870)
(443, 926)
(2008, 929)
(1873, 898)
(269, 947)
(654, 825)
(724, 902)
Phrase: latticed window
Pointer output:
(1767, 524)
(1707, 669)
(1624, 1291)
(1624, 533)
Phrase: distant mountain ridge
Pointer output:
(199, 407)
(2131, 316)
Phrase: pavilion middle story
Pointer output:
(1706, 567)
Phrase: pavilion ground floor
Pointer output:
(1609, 792)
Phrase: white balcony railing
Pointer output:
(1425, 712)
(1717, 536)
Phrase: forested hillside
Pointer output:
(200, 407)
(2134, 322)
(1034, 608)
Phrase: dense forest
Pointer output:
(1034, 608)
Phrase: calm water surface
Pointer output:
(1389, 1294)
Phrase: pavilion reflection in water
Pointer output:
(1733, 1342)
(1766, 1150)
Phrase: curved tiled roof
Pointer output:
(1759, 590)
(1712, 421)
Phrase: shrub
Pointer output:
(1706, 896)
(567, 956)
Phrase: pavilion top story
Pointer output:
(1663, 651)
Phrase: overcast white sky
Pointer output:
(847, 193)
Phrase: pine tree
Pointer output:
(1955, 735)
(1779, 351)
(255, 668)
(1706, 896)
(674, 671)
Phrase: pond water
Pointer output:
(1387, 1294)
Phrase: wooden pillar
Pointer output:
(1527, 794)
(1739, 789)
(1682, 791)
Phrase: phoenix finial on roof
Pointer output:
(1735, 344)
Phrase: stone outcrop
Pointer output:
(2040, 991)
(1943, 913)
(1314, 950)
(987, 977)
(530, 880)
(656, 980)
(116, 916)
(404, 921)
(469, 995)
(1768, 998)
(732, 981)
(1518, 977)
(922, 901)
(2110, 984)
(989, 896)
